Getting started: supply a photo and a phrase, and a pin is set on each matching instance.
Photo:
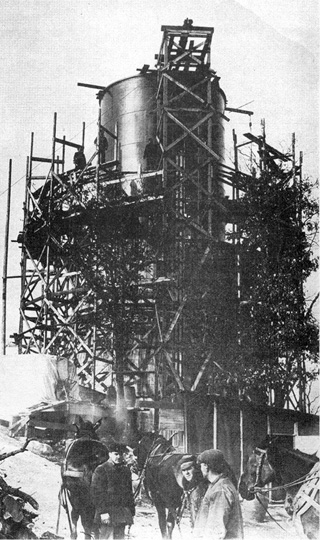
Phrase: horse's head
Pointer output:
(258, 473)
(288, 464)
(87, 429)
(143, 448)
(150, 443)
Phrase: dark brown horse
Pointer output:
(83, 455)
(157, 461)
(258, 472)
(158, 465)
(271, 462)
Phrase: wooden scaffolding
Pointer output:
(194, 268)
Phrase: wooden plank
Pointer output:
(46, 160)
(202, 30)
(109, 164)
(109, 133)
(173, 371)
(97, 86)
(201, 372)
(241, 111)
(34, 422)
(67, 143)
(269, 148)
(144, 69)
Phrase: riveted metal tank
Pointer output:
(129, 108)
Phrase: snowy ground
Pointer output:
(40, 478)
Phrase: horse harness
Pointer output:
(261, 458)
(308, 500)
(262, 454)
(155, 447)
(185, 502)
(70, 472)
(307, 496)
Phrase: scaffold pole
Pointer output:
(5, 265)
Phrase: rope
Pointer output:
(267, 511)
(143, 471)
(138, 488)
(185, 501)
(297, 482)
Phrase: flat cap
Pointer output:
(214, 459)
(186, 462)
(117, 447)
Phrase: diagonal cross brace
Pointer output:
(190, 132)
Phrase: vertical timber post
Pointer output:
(23, 263)
(5, 265)
(48, 258)
(215, 425)
(83, 133)
(94, 331)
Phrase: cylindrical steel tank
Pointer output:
(129, 108)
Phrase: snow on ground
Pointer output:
(40, 478)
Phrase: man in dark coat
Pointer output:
(220, 515)
(79, 159)
(151, 155)
(103, 145)
(112, 496)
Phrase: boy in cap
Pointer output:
(193, 484)
(111, 491)
(220, 512)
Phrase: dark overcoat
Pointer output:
(111, 492)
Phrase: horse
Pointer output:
(157, 462)
(271, 462)
(257, 473)
(83, 455)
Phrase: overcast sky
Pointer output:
(265, 51)
(296, 19)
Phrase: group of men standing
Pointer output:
(209, 490)
(211, 496)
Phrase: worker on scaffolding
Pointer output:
(102, 145)
(187, 24)
(79, 159)
(151, 155)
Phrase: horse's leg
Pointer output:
(87, 520)
(170, 524)
(95, 529)
(74, 521)
(162, 519)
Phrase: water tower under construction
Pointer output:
(126, 267)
